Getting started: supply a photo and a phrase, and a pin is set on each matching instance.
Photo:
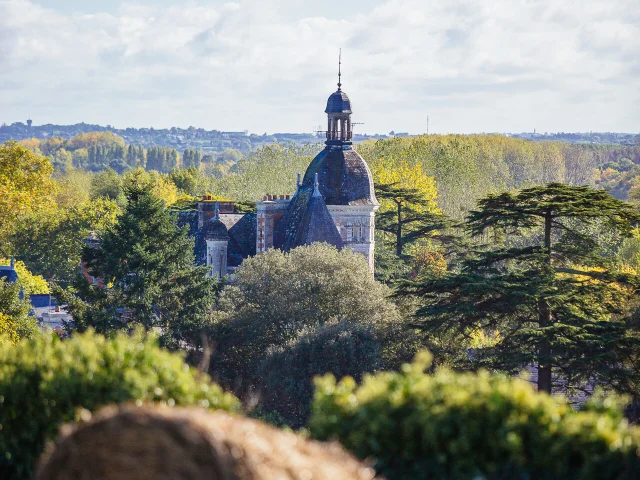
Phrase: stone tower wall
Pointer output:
(356, 225)
(217, 257)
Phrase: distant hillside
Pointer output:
(212, 141)
(207, 141)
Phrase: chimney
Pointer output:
(299, 180)
(13, 262)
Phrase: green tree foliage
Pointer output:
(51, 245)
(191, 159)
(469, 167)
(469, 426)
(107, 184)
(45, 382)
(279, 299)
(287, 371)
(409, 219)
(148, 264)
(189, 181)
(553, 292)
(270, 170)
(29, 283)
(15, 322)
(162, 159)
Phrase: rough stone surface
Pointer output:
(127, 443)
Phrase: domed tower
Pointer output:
(345, 181)
(217, 238)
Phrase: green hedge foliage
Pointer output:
(472, 426)
(45, 382)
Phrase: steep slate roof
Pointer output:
(344, 176)
(338, 102)
(215, 230)
(242, 236)
(191, 220)
(243, 239)
(307, 220)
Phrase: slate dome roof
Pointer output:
(216, 230)
(344, 177)
(338, 102)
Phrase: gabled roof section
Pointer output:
(306, 221)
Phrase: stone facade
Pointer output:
(269, 213)
(217, 251)
(356, 225)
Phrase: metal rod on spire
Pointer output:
(339, 69)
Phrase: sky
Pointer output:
(471, 66)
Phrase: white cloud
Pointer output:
(500, 65)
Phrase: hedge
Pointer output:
(472, 426)
(45, 382)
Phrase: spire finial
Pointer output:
(339, 69)
(216, 212)
(316, 186)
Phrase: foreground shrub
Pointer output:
(471, 426)
(128, 442)
(45, 382)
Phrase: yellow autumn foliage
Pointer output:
(32, 284)
(409, 176)
(25, 184)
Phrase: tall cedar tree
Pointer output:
(408, 222)
(147, 265)
(557, 304)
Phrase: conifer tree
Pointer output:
(410, 219)
(142, 159)
(147, 264)
(131, 159)
(553, 294)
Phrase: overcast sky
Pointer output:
(269, 65)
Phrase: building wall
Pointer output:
(356, 225)
(270, 211)
(217, 257)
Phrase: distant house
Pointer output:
(48, 313)
(44, 307)
(8, 272)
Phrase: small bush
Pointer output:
(471, 426)
(45, 382)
